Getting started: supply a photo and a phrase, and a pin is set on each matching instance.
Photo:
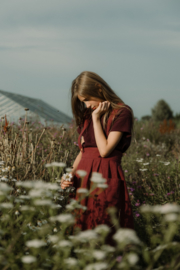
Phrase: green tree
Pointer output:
(161, 111)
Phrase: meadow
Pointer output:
(37, 216)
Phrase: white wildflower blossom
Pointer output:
(71, 261)
(108, 248)
(56, 164)
(86, 235)
(166, 208)
(97, 266)
(167, 163)
(27, 208)
(145, 164)
(2, 162)
(98, 179)
(67, 176)
(55, 230)
(126, 235)
(7, 205)
(82, 190)
(24, 197)
(99, 254)
(81, 173)
(143, 170)
(139, 160)
(4, 179)
(171, 217)
(63, 218)
(158, 155)
(36, 243)
(5, 188)
(132, 258)
(68, 170)
(102, 228)
(64, 243)
(42, 202)
(28, 259)
(102, 185)
(146, 208)
(53, 238)
(17, 213)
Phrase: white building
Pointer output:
(13, 105)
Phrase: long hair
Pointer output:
(88, 85)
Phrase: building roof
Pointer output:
(14, 104)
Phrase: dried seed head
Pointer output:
(26, 109)
(64, 129)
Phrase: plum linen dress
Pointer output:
(116, 194)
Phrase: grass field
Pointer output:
(36, 216)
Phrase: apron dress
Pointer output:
(116, 195)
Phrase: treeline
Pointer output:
(161, 111)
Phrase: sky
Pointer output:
(134, 45)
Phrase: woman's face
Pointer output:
(92, 102)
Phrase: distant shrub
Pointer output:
(161, 111)
(145, 117)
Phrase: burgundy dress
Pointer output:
(116, 194)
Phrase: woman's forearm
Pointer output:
(76, 162)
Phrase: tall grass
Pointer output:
(37, 216)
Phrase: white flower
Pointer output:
(24, 197)
(102, 185)
(166, 208)
(2, 162)
(171, 217)
(5, 188)
(132, 258)
(98, 179)
(55, 230)
(64, 243)
(126, 235)
(102, 228)
(145, 164)
(81, 173)
(42, 202)
(146, 208)
(108, 248)
(52, 186)
(82, 190)
(143, 170)
(96, 266)
(71, 261)
(99, 254)
(56, 164)
(67, 176)
(28, 259)
(4, 179)
(6, 205)
(166, 163)
(53, 238)
(17, 213)
(86, 235)
(36, 243)
(139, 160)
(63, 218)
(158, 155)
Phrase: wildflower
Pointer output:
(103, 228)
(137, 204)
(158, 155)
(36, 243)
(147, 154)
(28, 259)
(143, 170)
(64, 243)
(53, 238)
(132, 258)
(132, 189)
(71, 261)
(17, 213)
(102, 185)
(96, 266)
(99, 254)
(63, 218)
(139, 160)
(55, 230)
(42, 202)
(171, 217)
(166, 208)
(67, 177)
(82, 190)
(86, 235)
(145, 164)
(56, 164)
(126, 235)
(81, 173)
(6, 205)
(166, 163)
(126, 171)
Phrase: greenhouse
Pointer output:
(13, 106)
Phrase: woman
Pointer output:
(105, 126)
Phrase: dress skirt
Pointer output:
(115, 195)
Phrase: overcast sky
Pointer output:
(134, 45)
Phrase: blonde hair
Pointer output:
(88, 85)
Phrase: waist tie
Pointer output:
(93, 153)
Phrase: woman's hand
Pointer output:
(64, 183)
(101, 109)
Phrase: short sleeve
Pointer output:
(123, 122)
